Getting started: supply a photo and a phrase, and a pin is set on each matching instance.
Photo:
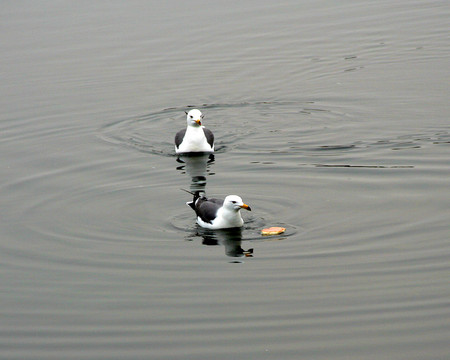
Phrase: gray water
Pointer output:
(331, 119)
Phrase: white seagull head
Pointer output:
(194, 117)
(234, 202)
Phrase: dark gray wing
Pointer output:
(209, 136)
(207, 209)
(179, 137)
(216, 201)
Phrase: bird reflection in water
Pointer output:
(197, 168)
(231, 239)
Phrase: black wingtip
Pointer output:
(196, 195)
(191, 204)
(189, 192)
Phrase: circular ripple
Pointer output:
(234, 241)
(118, 214)
(262, 216)
(234, 125)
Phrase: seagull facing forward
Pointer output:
(195, 138)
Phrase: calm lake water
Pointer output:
(331, 119)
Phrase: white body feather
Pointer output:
(225, 218)
(194, 141)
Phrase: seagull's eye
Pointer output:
(192, 117)
(234, 202)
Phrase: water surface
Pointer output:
(330, 120)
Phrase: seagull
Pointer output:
(195, 138)
(216, 213)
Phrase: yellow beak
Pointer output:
(246, 207)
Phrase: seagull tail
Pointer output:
(196, 196)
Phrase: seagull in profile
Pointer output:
(217, 213)
(195, 138)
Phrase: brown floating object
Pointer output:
(274, 230)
